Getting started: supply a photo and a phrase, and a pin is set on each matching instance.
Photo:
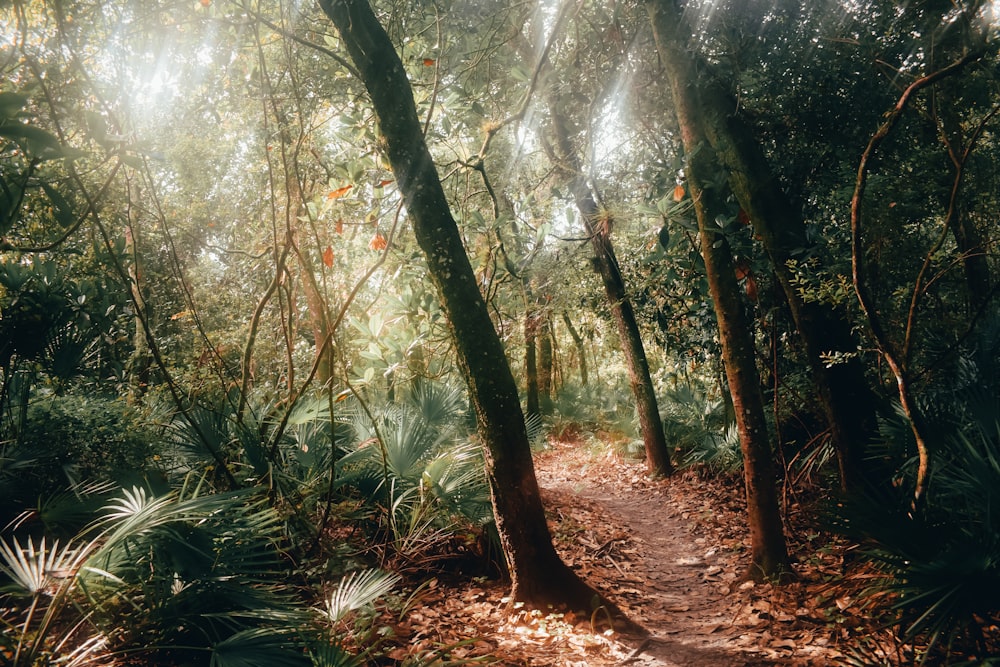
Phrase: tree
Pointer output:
(538, 576)
(769, 557)
(847, 401)
(598, 222)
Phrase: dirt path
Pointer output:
(669, 553)
(677, 551)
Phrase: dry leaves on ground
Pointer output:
(670, 553)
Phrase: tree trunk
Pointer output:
(538, 576)
(769, 557)
(545, 364)
(843, 391)
(316, 305)
(598, 229)
(581, 352)
(531, 363)
(141, 360)
(968, 239)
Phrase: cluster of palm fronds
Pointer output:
(195, 566)
(417, 473)
(697, 427)
(938, 557)
(188, 575)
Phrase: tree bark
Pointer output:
(971, 247)
(545, 364)
(844, 393)
(581, 352)
(606, 264)
(531, 404)
(538, 576)
(769, 556)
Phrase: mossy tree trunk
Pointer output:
(842, 388)
(538, 576)
(769, 556)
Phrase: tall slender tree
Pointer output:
(845, 397)
(769, 556)
(538, 576)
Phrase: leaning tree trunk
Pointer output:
(538, 576)
(606, 264)
(843, 391)
(769, 556)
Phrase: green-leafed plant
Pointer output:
(413, 467)
(68, 442)
(189, 575)
(939, 562)
(695, 425)
(939, 556)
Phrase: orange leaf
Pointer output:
(429, 62)
(339, 192)
(751, 287)
(339, 225)
(742, 269)
(206, 3)
(382, 184)
(679, 192)
(328, 256)
(378, 242)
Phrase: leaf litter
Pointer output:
(670, 553)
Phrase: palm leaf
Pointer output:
(258, 647)
(332, 655)
(357, 590)
(35, 568)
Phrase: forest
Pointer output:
(520, 332)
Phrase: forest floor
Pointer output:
(670, 553)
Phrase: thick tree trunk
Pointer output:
(843, 390)
(606, 264)
(769, 557)
(538, 576)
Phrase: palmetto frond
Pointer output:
(438, 405)
(259, 647)
(333, 655)
(457, 479)
(359, 589)
(35, 569)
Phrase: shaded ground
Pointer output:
(670, 553)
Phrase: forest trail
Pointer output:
(677, 548)
(670, 553)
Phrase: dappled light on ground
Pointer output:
(670, 553)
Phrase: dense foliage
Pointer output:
(227, 383)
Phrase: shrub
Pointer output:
(73, 440)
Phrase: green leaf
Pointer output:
(63, 209)
(357, 590)
(258, 647)
(11, 104)
(32, 139)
